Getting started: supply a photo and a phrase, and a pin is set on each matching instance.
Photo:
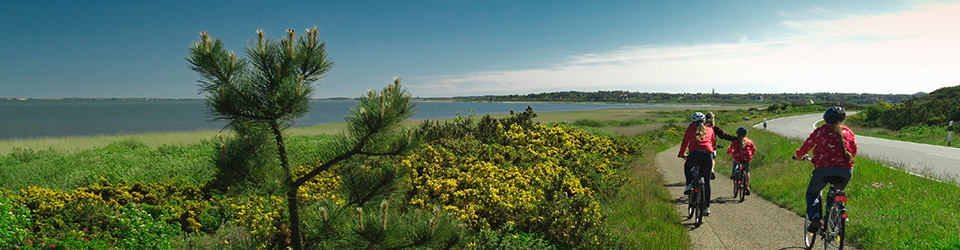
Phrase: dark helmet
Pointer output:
(741, 131)
(834, 114)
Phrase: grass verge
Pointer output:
(889, 208)
(644, 211)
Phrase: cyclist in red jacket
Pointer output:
(700, 140)
(742, 150)
(834, 147)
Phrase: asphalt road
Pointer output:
(754, 224)
(938, 162)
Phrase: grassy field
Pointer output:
(888, 208)
(641, 214)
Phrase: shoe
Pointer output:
(706, 212)
(814, 226)
(713, 176)
(747, 192)
(689, 189)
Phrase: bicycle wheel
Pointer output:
(743, 190)
(692, 201)
(701, 202)
(835, 231)
(736, 186)
(808, 238)
(736, 180)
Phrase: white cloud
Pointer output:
(903, 52)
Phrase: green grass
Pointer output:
(153, 140)
(933, 135)
(128, 160)
(644, 211)
(889, 208)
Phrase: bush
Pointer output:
(137, 228)
(15, 221)
(509, 238)
(539, 178)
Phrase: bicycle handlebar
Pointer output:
(805, 157)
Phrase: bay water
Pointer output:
(38, 118)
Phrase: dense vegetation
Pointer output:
(923, 119)
(491, 183)
(703, 98)
(935, 109)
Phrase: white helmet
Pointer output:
(698, 117)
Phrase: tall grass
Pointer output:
(128, 160)
(153, 140)
(889, 208)
(644, 211)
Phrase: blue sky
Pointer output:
(55, 49)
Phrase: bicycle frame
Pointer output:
(836, 218)
(833, 228)
(697, 198)
(739, 181)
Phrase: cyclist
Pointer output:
(742, 151)
(700, 140)
(710, 121)
(834, 147)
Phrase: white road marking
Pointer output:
(948, 156)
(815, 124)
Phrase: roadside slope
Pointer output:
(754, 224)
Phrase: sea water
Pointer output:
(38, 118)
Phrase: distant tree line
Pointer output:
(695, 98)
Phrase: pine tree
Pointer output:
(273, 87)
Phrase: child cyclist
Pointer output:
(834, 147)
(700, 140)
(742, 151)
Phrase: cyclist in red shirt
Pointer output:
(834, 147)
(742, 150)
(700, 140)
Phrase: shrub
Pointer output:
(139, 229)
(542, 179)
(15, 220)
(509, 238)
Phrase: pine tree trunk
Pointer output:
(293, 205)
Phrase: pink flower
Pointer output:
(52, 245)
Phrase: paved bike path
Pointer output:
(754, 224)
(940, 161)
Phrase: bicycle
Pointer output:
(697, 200)
(833, 229)
(739, 181)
